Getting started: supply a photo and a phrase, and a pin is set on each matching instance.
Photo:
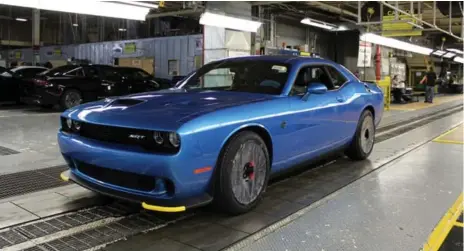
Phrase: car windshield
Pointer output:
(255, 76)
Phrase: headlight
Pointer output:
(174, 139)
(77, 125)
(69, 123)
(158, 138)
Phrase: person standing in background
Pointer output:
(429, 80)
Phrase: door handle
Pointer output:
(340, 99)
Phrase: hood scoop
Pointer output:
(127, 102)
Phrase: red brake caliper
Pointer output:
(251, 171)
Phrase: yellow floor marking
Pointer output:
(421, 105)
(448, 138)
(439, 233)
(459, 224)
(449, 141)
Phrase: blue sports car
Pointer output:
(220, 134)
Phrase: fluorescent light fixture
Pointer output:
(319, 24)
(75, 25)
(85, 7)
(394, 43)
(455, 50)
(122, 29)
(449, 55)
(21, 19)
(459, 60)
(148, 5)
(342, 28)
(439, 53)
(232, 23)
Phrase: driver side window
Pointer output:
(308, 75)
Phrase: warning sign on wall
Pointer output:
(364, 54)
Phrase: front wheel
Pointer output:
(363, 141)
(243, 173)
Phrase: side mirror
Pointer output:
(316, 88)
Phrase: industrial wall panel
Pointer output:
(180, 48)
(290, 34)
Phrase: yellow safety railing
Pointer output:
(384, 84)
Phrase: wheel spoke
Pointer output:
(249, 172)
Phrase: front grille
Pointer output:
(118, 178)
(126, 136)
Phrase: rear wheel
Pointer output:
(243, 173)
(70, 98)
(363, 141)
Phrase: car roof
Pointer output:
(27, 67)
(284, 59)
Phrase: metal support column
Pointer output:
(35, 35)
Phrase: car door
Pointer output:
(6, 87)
(315, 118)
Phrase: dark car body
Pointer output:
(13, 80)
(136, 80)
(91, 82)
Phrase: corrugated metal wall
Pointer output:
(181, 48)
(290, 34)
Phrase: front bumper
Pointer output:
(41, 97)
(190, 189)
(146, 202)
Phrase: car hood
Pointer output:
(166, 109)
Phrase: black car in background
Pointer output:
(71, 85)
(138, 80)
(12, 81)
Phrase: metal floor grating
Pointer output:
(132, 222)
(14, 184)
(7, 151)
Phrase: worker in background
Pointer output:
(399, 90)
(429, 81)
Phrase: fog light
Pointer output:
(160, 186)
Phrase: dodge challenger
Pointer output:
(221, 133)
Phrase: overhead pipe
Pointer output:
(176, 13)
(420, 20)
(333, 9)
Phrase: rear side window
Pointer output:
(60, 70)
(337, 77)
(77, 72)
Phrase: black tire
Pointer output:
(356, 151)
(225, 198)
(70, 93)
